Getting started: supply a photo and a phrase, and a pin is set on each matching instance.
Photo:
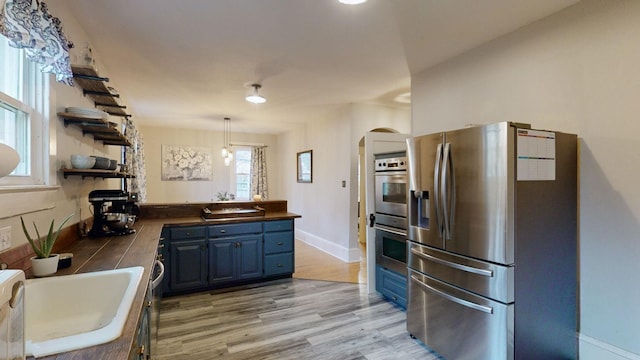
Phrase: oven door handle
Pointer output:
(470, 269)
(469, 304)
(391, 230)
(155, 282)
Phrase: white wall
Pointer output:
(577, 71)
(159, 191)
(329, 211)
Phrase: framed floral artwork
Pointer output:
(186, 163)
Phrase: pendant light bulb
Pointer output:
(255, 97)
(225, 151)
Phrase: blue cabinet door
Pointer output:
(188, 265)
(235, 258)
(249, 257)
(222, 260)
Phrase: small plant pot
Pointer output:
(45, 267)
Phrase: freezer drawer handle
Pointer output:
(483, 272)
(462, 302)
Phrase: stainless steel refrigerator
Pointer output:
(492, 215)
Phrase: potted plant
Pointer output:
(44, 264)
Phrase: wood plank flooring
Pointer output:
(289, 319)
(315, 264)
(286, 319)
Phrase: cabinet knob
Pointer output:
(223, 231)
(279, 243)
(280, 265)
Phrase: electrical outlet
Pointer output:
(5, 238)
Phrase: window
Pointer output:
(242, 173)
(23, 100)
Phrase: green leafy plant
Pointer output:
(43, 247)
(225, 196)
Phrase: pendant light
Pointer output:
(226, 152)
(255, 96)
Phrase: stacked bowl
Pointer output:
(82, 162)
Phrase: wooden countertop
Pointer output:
(137, 249)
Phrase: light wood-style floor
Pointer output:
(288, 319)
(315, 264)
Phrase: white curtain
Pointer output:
(135, 160)
(28, 25)
(259, 172)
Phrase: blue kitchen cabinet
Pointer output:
(235, 252)
(392, 286)
(201, 257)
(278, 248)
(235, 258)
(188, 258)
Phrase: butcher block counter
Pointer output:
(140, 249)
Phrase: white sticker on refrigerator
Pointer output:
(536, 155)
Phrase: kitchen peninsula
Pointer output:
(185, 232)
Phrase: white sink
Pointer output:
(64, 313)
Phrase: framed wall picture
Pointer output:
(305, 166)
(186, 163)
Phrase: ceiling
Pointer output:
(190, 63)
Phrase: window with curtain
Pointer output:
(242, 173)
(23, 116)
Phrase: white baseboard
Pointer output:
(329, 247)
(593, 349)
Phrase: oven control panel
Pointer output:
(391, 164)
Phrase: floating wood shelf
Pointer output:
(100, 129)
(96, 173)
(94, 87)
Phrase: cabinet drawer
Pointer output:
(235, 229)
(190, 232)
(392, 285)
(278, 264)
(278, 225)
(278, 242)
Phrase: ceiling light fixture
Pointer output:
(255, 96)
(226, 152)
(352, 2)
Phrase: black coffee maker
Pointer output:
(114, 212)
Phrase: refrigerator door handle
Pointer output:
(470, 269)
(436, 190)
(448, 193)
(412, 166)
(469, 304)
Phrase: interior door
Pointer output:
(376, 143)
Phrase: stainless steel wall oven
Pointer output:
(391, 211)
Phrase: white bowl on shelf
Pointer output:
(82, 162)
